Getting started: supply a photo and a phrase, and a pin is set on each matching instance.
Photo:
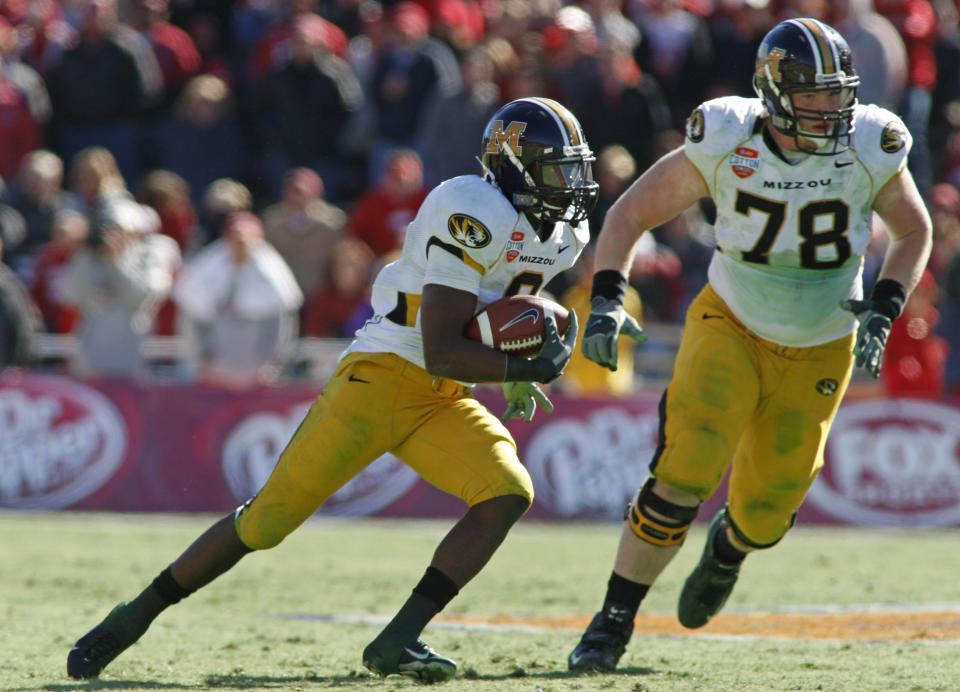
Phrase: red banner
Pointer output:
(123, 446)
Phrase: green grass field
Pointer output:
(298, 616)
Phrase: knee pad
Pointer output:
(667, 532)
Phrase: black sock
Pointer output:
(624, 594)
(437, 586)
(168, 589)
(434, 590)
(133, 618)
(726, 551)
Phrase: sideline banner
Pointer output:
(125, 446)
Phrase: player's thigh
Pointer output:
(464, 450)
(782, 449)
(341, 434)
(710, 398)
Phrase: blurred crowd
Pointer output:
(235, 172)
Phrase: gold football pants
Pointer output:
(376, 403)
(761, 408)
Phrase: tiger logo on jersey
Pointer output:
(467, 231)
(893, 138)
(695, 126)
(827, 386)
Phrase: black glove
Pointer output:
(551, 360)
(875, 316)
(555, 349)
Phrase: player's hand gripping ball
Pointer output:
(515, 324)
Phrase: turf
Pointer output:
(298, 616)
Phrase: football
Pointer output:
(514, 324)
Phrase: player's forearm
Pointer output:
(617, 243)
(906, 258)
(466, 361)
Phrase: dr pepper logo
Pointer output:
(892, 462)
(744, 162)
(60, 441)
(254, 442)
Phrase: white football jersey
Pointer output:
(467, 236)
(791, 237)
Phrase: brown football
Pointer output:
(514, 324)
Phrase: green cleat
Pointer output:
(417, 661)
(94, 650)
(709, 585)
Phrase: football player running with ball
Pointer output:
(403, 386)
(770, 343)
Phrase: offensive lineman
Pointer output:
(400, 386)
(770, 343)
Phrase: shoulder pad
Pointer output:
(881, 140)
(472, 215)
(719, 125)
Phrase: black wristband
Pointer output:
(890, 296)
(529, 369)
(610, 285)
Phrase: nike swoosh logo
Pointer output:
(420, 657)
(711, 317)
(562, 249)
(841, 164)
(352, 378)
(531, 314)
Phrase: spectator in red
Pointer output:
(173, 47)
(274, 48)
(169, 195)
(43, 34)
(68, 233)
(916, 22)
(914, 359)
(458, 23)
(24, 107)
(380, 216)
(329, 310)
